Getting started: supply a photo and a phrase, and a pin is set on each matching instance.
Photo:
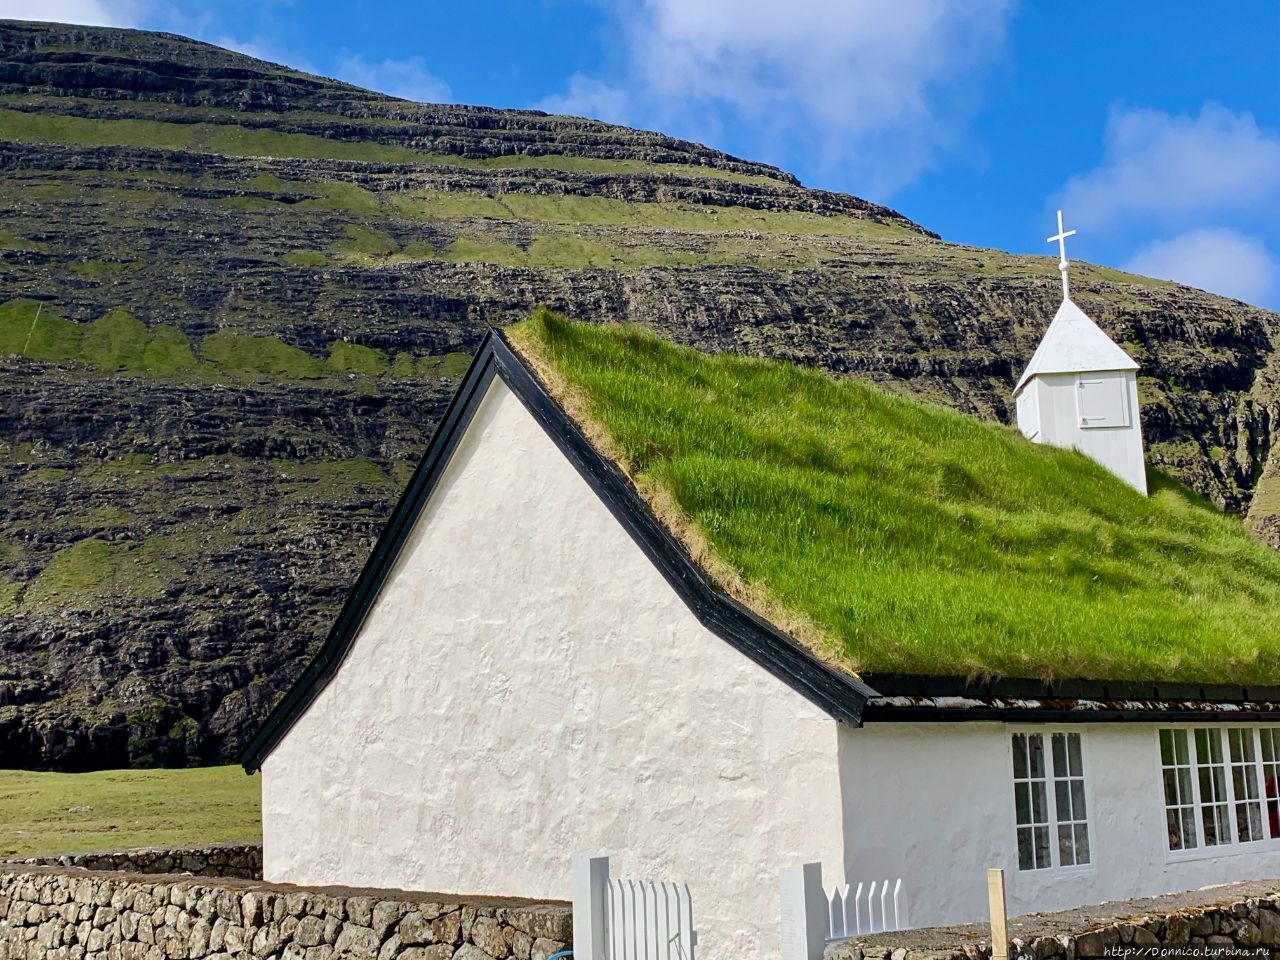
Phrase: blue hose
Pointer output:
(562, 953)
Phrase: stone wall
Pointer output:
(219, 860)
(51, 913)
(1228, 931)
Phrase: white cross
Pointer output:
(1061, 238)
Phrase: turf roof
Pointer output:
(890, 536)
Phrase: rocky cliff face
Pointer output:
(234, 298)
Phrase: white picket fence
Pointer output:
(869, 908)
(811, 918)
(628, 919)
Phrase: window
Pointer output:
(1052, 825)
(1102, 400)
(1215, 784)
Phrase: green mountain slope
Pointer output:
(235, 297)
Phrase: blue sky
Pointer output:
(1156, 126)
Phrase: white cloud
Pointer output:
(1216, 259)
(408, 79)
(97, 13)
(1173, 169)
(587, 97)
(874, 87)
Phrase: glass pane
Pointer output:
(1038, 812)
(1202, 745)
(1234, 745)
(1035, 750)
(1059, 755)
(1020, 756)
(1166, 748)
(1209, 818)
(1175, 829)
(1181, 751)
(1022, 801)
(1042, 847)
(1082, 843)
(1188, 828)
(1184, 786)
(1206, 785)
(1170, 788)
(1073, 751)
(1248, 822)
(1250, 783)
(1062, 794)
(1026, 857)
(1268, 746)
(1223, 817)
(1066, 847)
(1077, 800)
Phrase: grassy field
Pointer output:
(893, 536)
(52, 813)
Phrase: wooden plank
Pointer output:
(999, 921)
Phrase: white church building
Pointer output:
(530, 665)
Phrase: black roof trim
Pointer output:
(838, 694)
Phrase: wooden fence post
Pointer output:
(804, 912)
(589, 889)
(999, 924)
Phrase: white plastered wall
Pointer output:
(527, 685)
(1119, 449)
(933, 803)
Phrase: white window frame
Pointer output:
(1233, 846)
(1055, 868)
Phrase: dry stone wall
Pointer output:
(51, 913)
(219, 860)
(1228, 931)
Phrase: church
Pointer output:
(567, 639)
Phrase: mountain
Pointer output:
(234, 298)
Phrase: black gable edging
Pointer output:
(839, 695)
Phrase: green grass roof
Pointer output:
(893, 536)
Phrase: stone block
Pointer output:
(360, 911)
(487, 934)
(469, 951)
(310, 932)
(414, 929)
(251, 909)
(543, 948)
(1246, 932)
(390, 948)
(386, 914)
(357, 941)
(266, 941)
(550, 923)
(519, 943)
(447, 929)
(1269, 927)
(1142, 937)
(1096, 942)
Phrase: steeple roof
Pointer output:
(1074, 344)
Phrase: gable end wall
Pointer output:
(528, 685)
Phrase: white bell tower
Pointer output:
(1081, 390)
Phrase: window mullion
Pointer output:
(1051, 788)
(1193, 757)
(1228, 772)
